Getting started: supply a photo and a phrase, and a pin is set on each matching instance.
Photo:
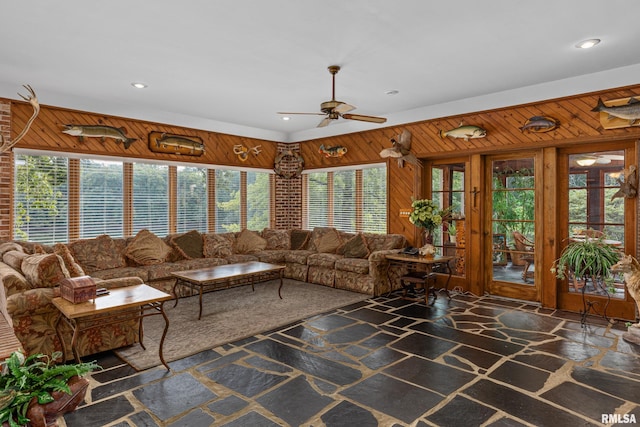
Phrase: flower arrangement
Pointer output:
(427, 214)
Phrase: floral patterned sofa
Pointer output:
(31, 272)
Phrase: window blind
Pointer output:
(151, 198)
(227, 201)
(258, 197)
(191, 199)
(100, 197)
(318, 200)
(374, 200)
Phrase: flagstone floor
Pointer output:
(471, 361)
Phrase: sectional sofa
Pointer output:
(31, 272)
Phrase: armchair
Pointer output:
(523, 255)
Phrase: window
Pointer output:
(191, 199)
(348, 199)
(63, 198)
(40, 198)
(257, 200)
(227, 201)
(100, 198)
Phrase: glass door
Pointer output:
(512, 221)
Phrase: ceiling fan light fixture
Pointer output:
(586, 161)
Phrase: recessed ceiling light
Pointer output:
(285, 118)
(392, 92)
(138, 85)
(587, 44)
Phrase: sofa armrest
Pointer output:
(119, 282)
(33, 301)
(378, 270)
(12, 280)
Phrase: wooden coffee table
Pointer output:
(226, 276)
(121, 304)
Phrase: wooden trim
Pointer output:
(173, 199)
(73, 199)
(359, 199)
(127, 199)
(211, 200)
(243, 200)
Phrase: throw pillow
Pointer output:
(14, 259)
(44, 270)
(189, 245)
(217, 246)
(147, 249)
(328, 242)
(277, 239)
(74, 269)
(355, 247)
(248, 242)
(100, 253)
(299, 239)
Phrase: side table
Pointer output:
(420, 272)
(120, 304)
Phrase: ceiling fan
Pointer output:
(335, 109)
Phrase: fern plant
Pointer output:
(587, 259)
(24, 378)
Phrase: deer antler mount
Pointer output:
(33, 100)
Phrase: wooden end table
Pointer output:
(226, 276)
(121, 304)
(420, 272)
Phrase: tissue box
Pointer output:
(78, 289)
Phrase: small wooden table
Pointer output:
(226, 276)
(119, 305)
(416, 276)
(8, 340)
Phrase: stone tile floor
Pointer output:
(471, 361)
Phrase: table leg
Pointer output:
(164, 334)
(74, 339)
(64, 350)
(281, 282)
(175, 292)
(141, 328)
(200, 313)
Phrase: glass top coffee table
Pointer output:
(226, 276)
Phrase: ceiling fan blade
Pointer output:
(312, 114)
(364, 118)
(343, 108)
(324, 122)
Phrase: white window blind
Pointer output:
(374, 200)
(101, 208)
(258, 198)
(318, 200)
(191, 199)
(151, 198)
(344, 200)
(227, 200)
(40, 198)
(338, 198)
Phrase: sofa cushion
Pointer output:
(382, 242)
(277, 239)
(299, 239)
(100, 253)
(147, 249)
(10, 246)
(356, 247)
(218, 245)
(272, 256)
(14, 259)
(298, 257)
(236, 258)
(323, 260)
(74, 269)
(328, 242)
(353, 265)
(115, 273)
(44, 270)
(248, 242)
(189, 244)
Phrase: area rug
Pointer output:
(229, 315)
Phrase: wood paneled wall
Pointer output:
(46, 134)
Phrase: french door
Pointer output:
(510, 256)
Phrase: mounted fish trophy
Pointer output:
(162, 142)
(33, 100)
(618, 113)
(99, 131)
(401, 150)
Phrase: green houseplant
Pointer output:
(27, 381)
(589, 258)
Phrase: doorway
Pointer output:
(510, 248)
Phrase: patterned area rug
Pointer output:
(230, 315)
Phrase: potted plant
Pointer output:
(33, 390)
(584, 259)
(451, 229)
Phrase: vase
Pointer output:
(47, 415)
(427, 238)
